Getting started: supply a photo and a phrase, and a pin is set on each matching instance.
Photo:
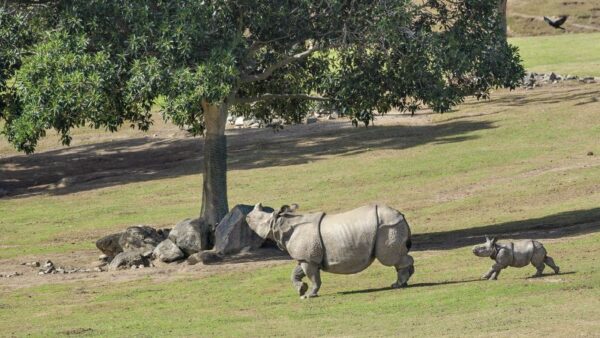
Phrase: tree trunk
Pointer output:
(214, 189)
(503, 18)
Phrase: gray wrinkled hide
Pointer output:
(353, 239)
(343, 243)
(515, 254)
(140, 238)
(168, 252)
(233, 234)
(187, 235)
(299, 236)
(109, 245)
(126, 260)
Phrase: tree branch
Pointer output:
(268, 97)
(281, 63)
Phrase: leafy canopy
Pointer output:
(66, 64)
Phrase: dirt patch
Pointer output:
(29, 277)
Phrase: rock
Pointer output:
(65, 182)
(255, 125)
(233, 233)
(239, 122)
(553, 77)
(589, 79)
(333, 116)
(140, 238)
(168, 252)
(109, 245)
(164, 232)
(32, 264)
(230, 119)
(190, 235)
(590, 153)
(126, 260)
(149, 254)
(204, 257)
(311, 119)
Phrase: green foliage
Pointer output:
(104, 63)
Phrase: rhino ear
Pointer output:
(294, 207)
(258, 207)
(493, 240)
(487, 239)
(284, 208)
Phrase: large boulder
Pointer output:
(204, 257)
(126, 260)
(168, 252)
(233, 233)
(109, 245)
(191, 235)
(140, 238)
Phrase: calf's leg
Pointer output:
(297, 275)
(494, 271)
(550, 262)
(313, 273)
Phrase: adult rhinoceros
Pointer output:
(343, 243)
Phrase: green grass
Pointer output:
(520, 158)
(517, 162)
(575, 54)
(447, 299)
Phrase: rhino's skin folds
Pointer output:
(516, 254)
(344, 243)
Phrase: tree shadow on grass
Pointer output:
(559, 225)
(105, 164)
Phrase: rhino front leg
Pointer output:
(297, 275)
(313, 272)
(494, 271)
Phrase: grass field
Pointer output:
(575, 54)
(515, 165)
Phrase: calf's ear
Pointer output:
(258, 207)
(493, 240)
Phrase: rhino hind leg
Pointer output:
(297, 275)
(539, 267)
(404, 274)
(313, 272)
(550, 262)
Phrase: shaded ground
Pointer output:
(119, 162)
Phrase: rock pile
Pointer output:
(139, 245)
(50, 268)
(533, 79)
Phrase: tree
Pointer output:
(104, 64)
(502, 13)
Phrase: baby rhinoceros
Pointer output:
(516, 254)
(343, 243)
